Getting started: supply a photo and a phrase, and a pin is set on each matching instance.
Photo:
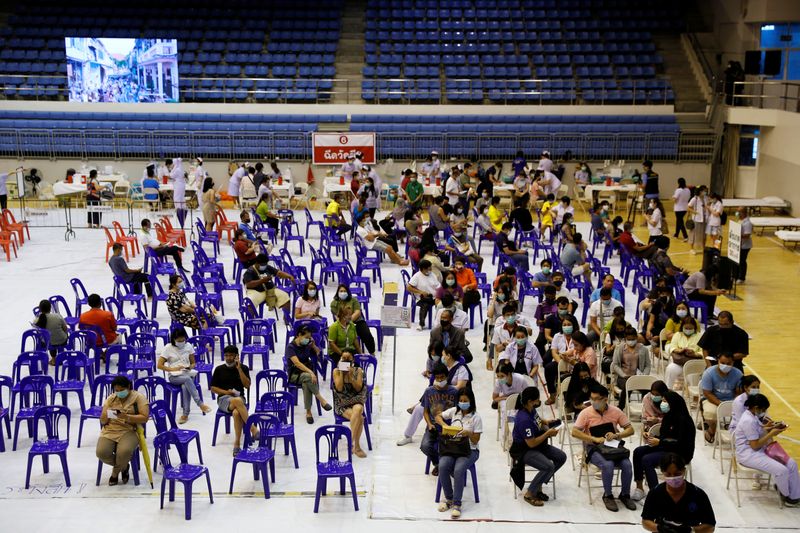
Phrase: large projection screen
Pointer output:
(122, 70)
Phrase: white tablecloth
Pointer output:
(332, 186)
(775, 222)
(788, 236)
(591, 189)
(769, 201)
(61, 188)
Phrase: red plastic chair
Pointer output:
(111, 242)
(8, 241)
(10, 223)
(173, 234)
(223, 224)
(127, 240)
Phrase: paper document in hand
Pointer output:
(613, 443)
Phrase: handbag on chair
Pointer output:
(775, 451)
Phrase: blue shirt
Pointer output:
(247, 231)
(722, 386)
(596, 295)
(435, 401)
(541, 277)
(518, 165)
(526, 426)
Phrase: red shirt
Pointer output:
(240, 247)
(626, 240)
(103, 320)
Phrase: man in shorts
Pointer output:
(371, 240)
(260, 284)
(229, 382)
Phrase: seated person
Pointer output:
(544, 277)
(627, 241)
(465, 278)
(562, 208)
(376, 240)
(458, 373)
(608, 281)
(717, 385)
(302, 354)
(573, 258)
(449, 286)
(496, 215)
(333, 216)
(245, 249)
(484, 223)
(598, 425)
(674, 322)
(102, 319)
(436, 399)
(148, 240)
(460, 318)
(133, 276)
(462, 246)
(505, 326)
(424, 285)
(264, 212)
(753, 433)
(750, 386)
(652, 412)
(630, 359)
(522, 354)
(350, 397)
(507, 382)
(578, 393)
(601, 312)
(259, 282)
(521, 215)
(547, 214)
(450, 336)
(683, 347)
(177, 360)
(341, 335)
(726, 337)
(530, 446)
(676, 504)
(345, 300)
(307, 306)
(519, 258)
(229, 382)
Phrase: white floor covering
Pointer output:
(394, 493)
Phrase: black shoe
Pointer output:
(627, 502)
(542, 496)
(310, 419)
(185, 270)
(126, 475)
(435, 471)
(611, 505)
(327, 407)
(113, 480)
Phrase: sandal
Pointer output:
(126, 475)
(358, 452)
(533, 500)
(183, 419)
(309, 419)
(204, 408)
(708, 437)
(113, 480)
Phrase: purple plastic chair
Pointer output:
(85, 339)
(276, 379)
(5, 412)
(135, 468)
(158, 388)
(54, 441)
(101, 390)
(125, 354)
(81, 296)
(126, 292)
(203, 357)
(220, 333)
(39, 338)
(473, 472)
(114, 305)
(144, 348)
(71, 372)
(34, 391)
(226, 416)
(184, 472)
(257, 339)
(60, 306)
(151, 327)
(281, 404)
(165, 421)
(159, 295)
(258, 453)
(369, 364)
(36, 363)
(333, 466)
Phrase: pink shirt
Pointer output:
(589, 417)
(590, 358)
(304, 306)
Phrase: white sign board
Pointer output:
(734, 241)
(20, 182)
(394, 316)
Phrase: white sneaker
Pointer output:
(445, 506)
(637, 494)
(455, 512)
(404, 441)
(418, 327)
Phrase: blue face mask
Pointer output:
(656, 399)
(511, 320)
(522, 342)
(567, 330)
(122, 394)
(464, 406)
(304, 342)
(664, 407)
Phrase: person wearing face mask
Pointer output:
(229, 382)
(177, 360)
(120, 414)
(301, 356)
(582, 174)
(700, 287)
(449, 286)
(458, 373)
(501, 297)
(683, 347)
(600, 313)
(531, 447)
(677, 506)
(601, 423)
(599, 218)
(726, 337)
(521, 216)
(563, 208)
(465, 278)
(505, 326)
(613, 337)
(562, 349)
(545, 308)
(368, 190)
(676, 436)
(307, 306)
(245, 250)
(654, 218)
(651, 405)
(717, 385)
(450, 336)
(260, 284)
(519, 258)
(578, 393)
(414, 190)
(424, 285)
(522, 354)
(342, 334)
(674, 323)
(608, 281)
(350, 396)
(698, 213)
(662, 307)
(630, 359)
(376, 240)
(180, 309)
(454, 463)
(681, 196)
(436, 399)
(746, 243)
(552, 323)
(544, 277)
(460, 319)
(344, 300)
(506, 383)
(750, 386)
(754, 432)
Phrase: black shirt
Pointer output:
(251, 275)
(717, 340)
(553, 323)
(523, 216)
(504, 242)
(227, 378)
(304, 354)
(693, 509)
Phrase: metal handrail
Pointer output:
(768, 94)
(708, 70)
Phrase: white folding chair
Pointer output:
(637, 384)
(507, 420)
(723, 437)
(738, 472)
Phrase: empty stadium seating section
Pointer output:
(516, 51)
(268, 51)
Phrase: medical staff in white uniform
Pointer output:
(178, 178)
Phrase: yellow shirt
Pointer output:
(496, 217)
(333, 210)
(547, 219)
(680, 341)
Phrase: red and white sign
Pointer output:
(333, 148)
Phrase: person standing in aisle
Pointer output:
(236, 181)
(649, 182)
(746, 243)
(178, 179)
(697, 210)
(681, 197)
(93, 200)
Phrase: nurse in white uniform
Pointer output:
(236, 181)
(178, 179)
(753, 434)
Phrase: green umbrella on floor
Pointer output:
(145, 453)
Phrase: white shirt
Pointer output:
(714, 211)
(363, 233)
(264, 189)
(698, 206)
(654, 229)
(603, 313)
(546, 164)
(3, 179)
(199, 175)
(738, 411)
(560, 211)
(236, 180)
(348, 169)
(175, 356)
(460, 375)
(551, 187)
(471, 421)
(460, 318)
(425, 283)
(452, 190)
(148, 239)
(748, 428)
(681, 197)
(357, 164)
(531, 355)
(561, 344)
(518, 384)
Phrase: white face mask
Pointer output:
(440, 384)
